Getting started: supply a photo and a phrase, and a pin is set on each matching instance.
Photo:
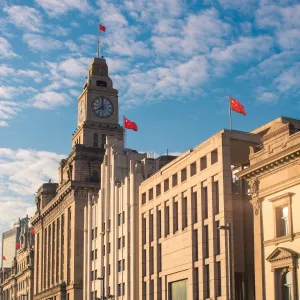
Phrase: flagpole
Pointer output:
(98, 49)
(230, 117)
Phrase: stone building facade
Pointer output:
(274, 180)
(16, 281)
(59, 219)
(183, 251)
(111, 224)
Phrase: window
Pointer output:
(151, 261)
(123, 241)
(219, 279)
(103, 140)
(183, 174)
(217, 198)
(184, 213)
(144, 259)
(108, 248)
(96, 232)
(159, 259)
(205, 241)
(196, 283)
(214, 156)
(119, 266)
(119, 243)
(103, 250)
(143, 198)
(151, 194)
(158, 189)
(96, 253)
(119, 290)
(206, 282)
(193, 169)
(123, 264)
(174, 180)
(194, 207)
(92, 255)
(175, 217)
(143, 230)
(218, 238)
(195, 244)
(159, 289)
(167, 220)
(144, 291)
(151, 228)
(101, 83)
(123, 217)
(119, 219)
(166, 185)
(151, 290)
(205, 202)
(203, 163)
(282, 221)
(95, 140)
(93, 234)
(158, 222)
(123, 289)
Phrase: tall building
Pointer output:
(274, 180)
(59, 219)
(112, 226)
(9, 240)
(16, 281)
(195, 224)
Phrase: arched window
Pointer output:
(101, 83)
(286, 286)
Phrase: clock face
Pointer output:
(81, 110)
(102, 107)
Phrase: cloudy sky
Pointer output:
(174, 63)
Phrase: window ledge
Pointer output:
(278, 240)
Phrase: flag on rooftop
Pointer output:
(237, 106)
(130, 124)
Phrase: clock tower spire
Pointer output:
(98, 114)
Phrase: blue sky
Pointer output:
(174, 63)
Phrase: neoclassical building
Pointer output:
(59, 219)
(274, 180)
(16, 281)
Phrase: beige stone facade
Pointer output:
(59, 219)
(16, 282)
(182, 253)
(274, 178)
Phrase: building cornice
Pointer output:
(271, 162)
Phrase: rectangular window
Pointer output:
(95, 140)
(123, 264)
(217, 198)
(195, 245)
(143, 198)
(123, 241)
(218, 240)
(151, 228)
(92, 255)
(205, 241)
(206, 282)
(96, 253)
(151, 261)
(159, 289)
(108, 248)
(167, 220)
(119, 219)
(123, 289)
(174, 179)
(196, 283)
(219, 279)
(282, 220)
(144, 261)
(194, 207)
(166, 185)
(159, 258)
(93, 234)
(123, 217)
(203, 163)
(103, 250)
(158, 221)
(158, 189)
(184, 213)
(193, 169)
(151, 290)
(183, 174)
(205, 202)
(119, 290)
(214, 156)
(119, 266)
(119, 243)
(151, 194)
(143, 230)
(144, 291)
(175, 217)
(103, 140)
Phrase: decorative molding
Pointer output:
(280, 197)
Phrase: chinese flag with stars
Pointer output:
(102, 27)
(130, 125)
(3, 257)
(237, 106)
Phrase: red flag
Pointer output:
(3, 257)
(237, 106)
(102, 27)
(18, 246)
(130, 125)
(32, 231)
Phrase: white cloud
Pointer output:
(289, 80)
(3, 124)
(289, 39)
(50, 100)
(24, 17)
(9, 109)
(75, 67)
(41, 43)
(268, 97)
(6, 71)
(8, 92)
(60, 7)
(197, 34)
(6, 49)
(60, 31)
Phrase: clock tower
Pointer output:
(98, 114)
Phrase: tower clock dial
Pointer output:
(81, 111)
(102, 107)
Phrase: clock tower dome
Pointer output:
(98, 113)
